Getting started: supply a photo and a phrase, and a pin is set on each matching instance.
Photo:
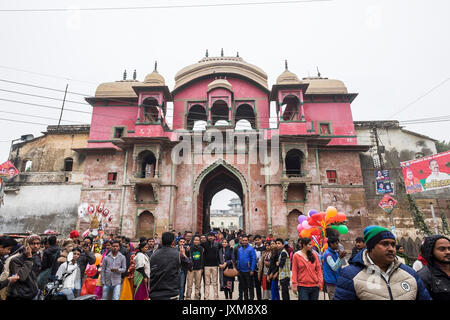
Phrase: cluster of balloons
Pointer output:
(314, 225)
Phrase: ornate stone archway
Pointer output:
(214, 178)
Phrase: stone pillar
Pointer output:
(139, 113)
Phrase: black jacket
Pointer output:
(165, 265)
(84, 260)
(436, 281)
(197, 256)
(273, 262)
(48, 258)
(26, 287)
(211, 254)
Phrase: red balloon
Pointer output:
(91, 270)
(313, 222)
(341, 217)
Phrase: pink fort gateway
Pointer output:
(129, 162)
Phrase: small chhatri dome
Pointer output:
(288, 77)
(155, 79)
(220, 83)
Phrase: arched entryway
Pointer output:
(292, 221)
(217, 178)
(145, 225)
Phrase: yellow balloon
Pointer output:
(331, 212)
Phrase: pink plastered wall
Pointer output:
(104, 118)
(340, 117)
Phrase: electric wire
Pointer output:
(165, 6)
(43, 97)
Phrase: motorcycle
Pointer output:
(55, 290)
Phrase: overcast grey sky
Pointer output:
(390, 52)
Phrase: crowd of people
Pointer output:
(178, 266)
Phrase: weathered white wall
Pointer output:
(395, 138)
(41, 207)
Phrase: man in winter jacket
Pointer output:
(236, 248)
(332, 264)
(26, 288)
(197, 257)
(284, 268)
(6, 243)
(211, 266)
(376, 274)
(259, 249)
(436, 273)
(246, 264)
(165, 265)
(50, 256)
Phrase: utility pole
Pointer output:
(62, 107)
(436, 229)
(375, 132)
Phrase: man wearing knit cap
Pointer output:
(376, 274)
(436, 273)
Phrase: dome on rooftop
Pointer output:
(210, 66)
(118, 89)
(325, 86)
(220, 83)
(154, 79)
(288, 77)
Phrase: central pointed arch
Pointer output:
(218, 176)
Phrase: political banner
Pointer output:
(427, 173)
(8, 170)
(383, 182)
(387, 203)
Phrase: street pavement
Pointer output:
(322, 295)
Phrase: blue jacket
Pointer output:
(360, 281)
(246, 260)
(330, 276)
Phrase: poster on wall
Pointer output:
(8, 170)
(383, 182)
(427, 173)
(387, 203)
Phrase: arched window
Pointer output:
(68, 164)
(290, 104)
(219, 111)
(145, 225)
(246, 112)
(243, 125)
(147, 164)
(199, 125)
(196, 114)
(222, 123)
(151, 112)
(293, 162)
(292, 220)
(28, 165)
